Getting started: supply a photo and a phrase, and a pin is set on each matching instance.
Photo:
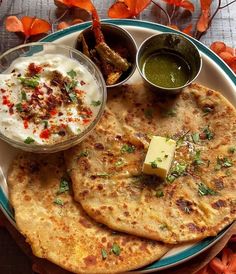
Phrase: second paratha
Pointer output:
(197, 200)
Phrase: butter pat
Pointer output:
(159, 156)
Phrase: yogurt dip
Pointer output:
(47, 99)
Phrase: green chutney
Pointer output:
(166, 69)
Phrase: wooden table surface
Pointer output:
(12, 260)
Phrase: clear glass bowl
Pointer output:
(41, 48)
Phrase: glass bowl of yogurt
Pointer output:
(51, 97)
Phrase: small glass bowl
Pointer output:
(169, 43)
(41, 48)
(114, 36)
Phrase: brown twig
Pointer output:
(219, 7)
(173, 12)
(59, 18)
(222, 7)
(164, 11)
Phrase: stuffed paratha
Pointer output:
(198, 198)
(58, 229)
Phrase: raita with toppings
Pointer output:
(47, 99)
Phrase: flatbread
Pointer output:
(58, 229)
(198, 199)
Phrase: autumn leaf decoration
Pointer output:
(127, 8)
(226, 53)
(203, 21)
(27, 25)
(181, 3)
(132, 8)
(223, 264)
(70, 5)
(83, 4)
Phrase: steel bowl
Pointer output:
(170, 43)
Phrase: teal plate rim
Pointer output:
(206, 243)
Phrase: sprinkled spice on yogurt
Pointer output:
(47, 99)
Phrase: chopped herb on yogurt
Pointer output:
(23, 96)
(72, 73)
(96, 103)
(29, 140)
(19, 107)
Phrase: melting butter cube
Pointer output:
(159, 156)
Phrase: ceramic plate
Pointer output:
(215, 74)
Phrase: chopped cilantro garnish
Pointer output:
(159, 193)
(163, 227)
(197, 158)
(19, 107)
(228, 172)
(223, 162)
(45, 122)
(186, 209)
(96, 103)
(232, 150)
(153, 164)
(23, 96)
(120, 162)
(170, 178)
(195, 137)
(127, 148)
(178, 170)
(78, 130)
(149, 135)
(64, 186)
(58, 202)
(83, 154)
(69, 87)
(209, 134)
(28, 140)
(170, 112)
(181, 139)
(205, 190)
(167, 138)
(104, 253)
(73, 97)
(32, 82)
(148, 113)
(207, 110)
(116, 249)
(103, 175)
(72, 73)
